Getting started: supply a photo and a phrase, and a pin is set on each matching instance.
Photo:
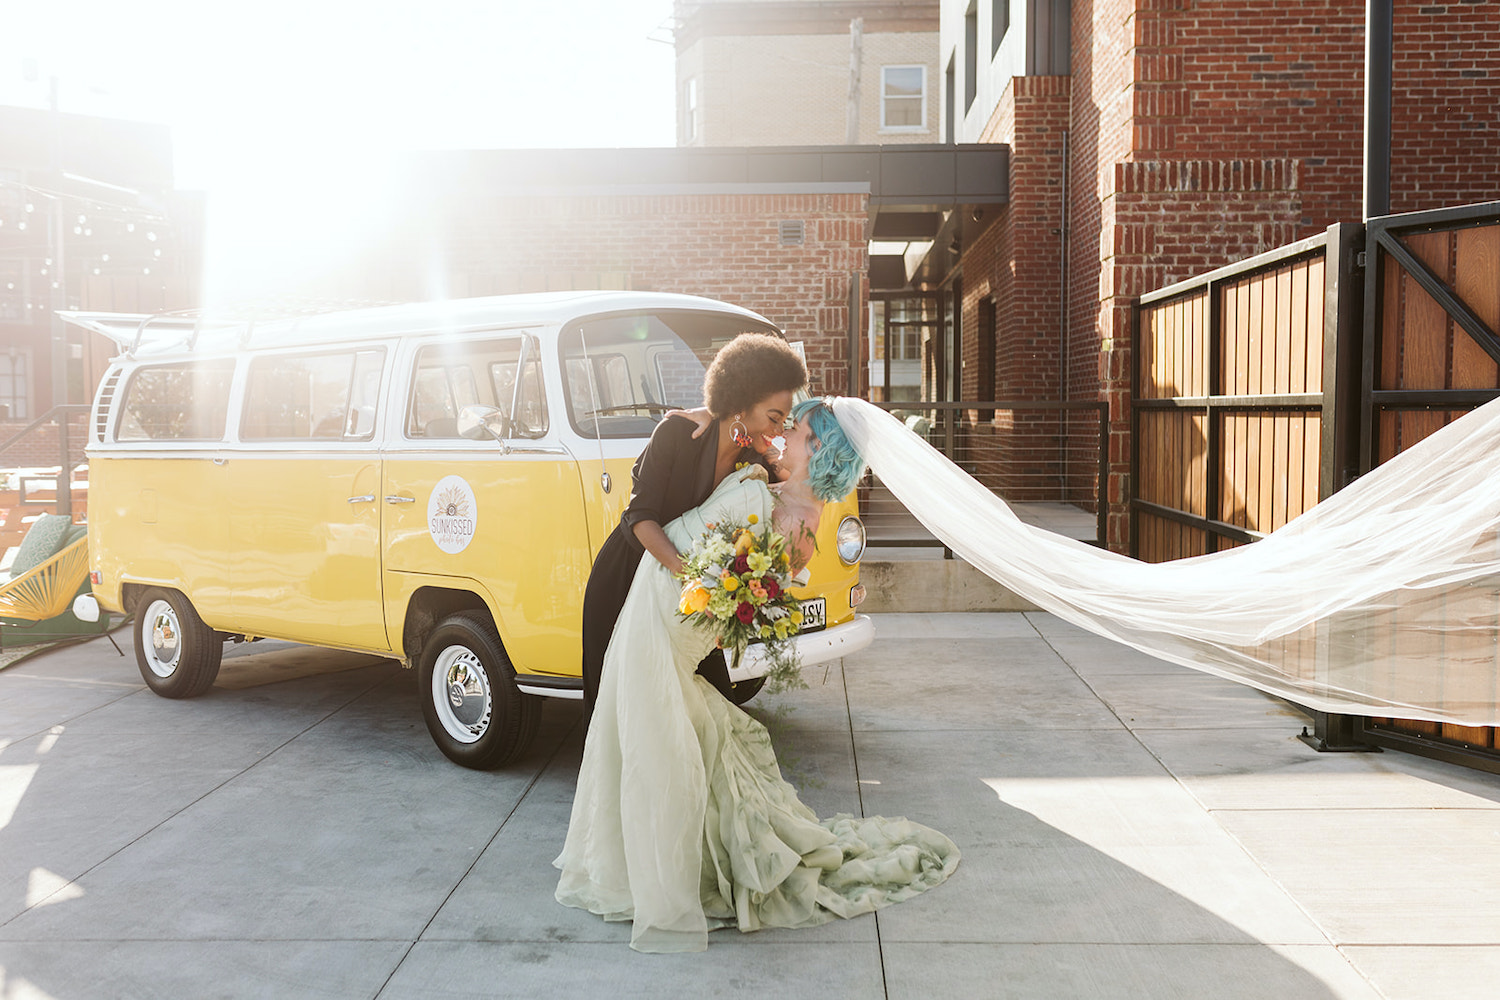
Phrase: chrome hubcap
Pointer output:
(461, 694)
(165, 639)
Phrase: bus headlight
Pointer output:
(851, 540)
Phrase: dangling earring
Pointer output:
(739, 434)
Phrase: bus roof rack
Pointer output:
(182, 329)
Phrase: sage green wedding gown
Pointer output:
(681, 821)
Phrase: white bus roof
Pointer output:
(165, 335)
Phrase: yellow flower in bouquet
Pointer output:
(694, 599)
(743, 542)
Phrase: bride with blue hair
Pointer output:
(681, 821)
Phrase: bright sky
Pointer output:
(278, 107)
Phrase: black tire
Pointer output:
(177, 654)
(473, 710)
(741, 692)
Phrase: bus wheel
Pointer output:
(178, 655)
(470, 702)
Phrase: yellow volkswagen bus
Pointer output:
(311, 480)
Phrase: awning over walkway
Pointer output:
(925, 201)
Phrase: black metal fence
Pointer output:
(1046, 459)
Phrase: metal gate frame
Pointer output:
(1382, 241)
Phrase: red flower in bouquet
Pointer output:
(773, 589)
(745, 612)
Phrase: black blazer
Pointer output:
(673, 475)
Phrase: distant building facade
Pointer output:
(89, 219)
(806, 72)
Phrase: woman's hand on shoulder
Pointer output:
(698, 415)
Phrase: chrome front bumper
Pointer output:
(814, 648)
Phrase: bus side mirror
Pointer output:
(477, 422)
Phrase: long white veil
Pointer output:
(1383, 600)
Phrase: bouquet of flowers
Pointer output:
(735, 583)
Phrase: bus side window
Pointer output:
(531, 416)
(309, 396)
(431, 401)
(360, 422)
(181, 402)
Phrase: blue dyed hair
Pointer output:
(835, 466)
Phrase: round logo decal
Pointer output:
(452, 514)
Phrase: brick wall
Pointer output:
(722, 246)
(1445, 105)
(1254, 79)
(1204, 132)
(1016, 263)
(40, 447)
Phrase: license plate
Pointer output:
(814, 614)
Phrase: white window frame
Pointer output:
(691, 100)
(883, 98)
(17, 363)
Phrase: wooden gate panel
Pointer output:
(1424, 360)
(1243, 349)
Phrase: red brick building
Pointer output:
(1154, 139)
(781, 230)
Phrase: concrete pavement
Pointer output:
(1130, 829)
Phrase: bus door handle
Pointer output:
(400, 499)
(367, 498)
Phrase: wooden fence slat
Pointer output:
(1314, 288)
(1476, 280)
(1255, 356)
(1298, 378)
(1312, 458)
(1198, 501)
(1296, 497)
(1425, 345)
(1241, 339)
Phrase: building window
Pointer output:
(690, 109)
(986, 352)
(15, 382)
(999, 23)
(903, 98)
(971, 54)
(949, 135)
